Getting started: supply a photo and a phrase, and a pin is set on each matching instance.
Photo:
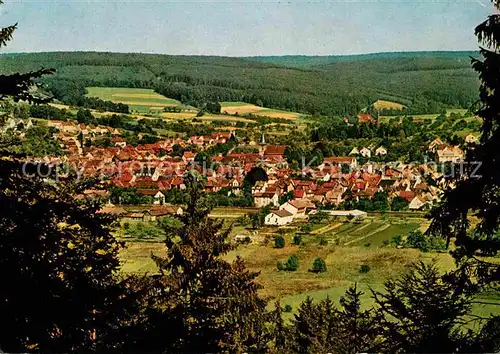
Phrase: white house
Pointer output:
(381, 151)
(365, 152)
(416, 204)
(263, 199)
(354, 151)
(298, 208)
(471, 139)
(450, 154)
(279, 218)
(159, 198)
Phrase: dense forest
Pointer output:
(425, 82)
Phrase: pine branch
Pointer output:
(488, 32)
(6, 34)
(18, 85)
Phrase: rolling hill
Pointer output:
(424, 82)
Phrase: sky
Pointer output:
(244, 28)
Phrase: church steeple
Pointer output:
(262, 136)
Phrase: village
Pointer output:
(150, 170)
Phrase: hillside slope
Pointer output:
(425, 82)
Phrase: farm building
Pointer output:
(109, 209)
(162, 212)
(358, 214)
(279, 218)
(298, 208)
(133, 217)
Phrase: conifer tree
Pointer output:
(358, 330)
(206, 304)
(58, 267)
(279, 332)
(477, 189)
(423, 312)
(60, 289)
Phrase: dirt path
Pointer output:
(380, 229)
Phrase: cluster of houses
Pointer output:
(152, 169)
(447, 153)
(367, 152)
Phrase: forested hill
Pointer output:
(448, 58)
(425, 82)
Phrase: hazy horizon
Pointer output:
(243, 29)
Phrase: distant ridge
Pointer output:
(337, 85)
(317, 60)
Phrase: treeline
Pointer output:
(339, 88)
(73, 93)
(121, 121)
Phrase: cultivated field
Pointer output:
(242, 108)
(206, 117)
(381, 104)
(140, 100)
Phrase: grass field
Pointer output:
(386, 233)
(141, 100)
(243, 108)
(433, 116)
(343, 264)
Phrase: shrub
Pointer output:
(396, 240)
(368, 244)
(319, 266)
(307, 228)
(385, 243)
(279, 242)
(323, 242)
(248, 240)
(280, 266)
(292, 264)
(126, 225)
(364, 269)
(297, 240)
(436, 243)
(416, 239)
(242, 220)
(287, 308)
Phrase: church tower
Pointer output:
(262, 142)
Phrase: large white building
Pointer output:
(278, 218)
(298, 207)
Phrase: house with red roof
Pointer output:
(274, 150)
(366, 118)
